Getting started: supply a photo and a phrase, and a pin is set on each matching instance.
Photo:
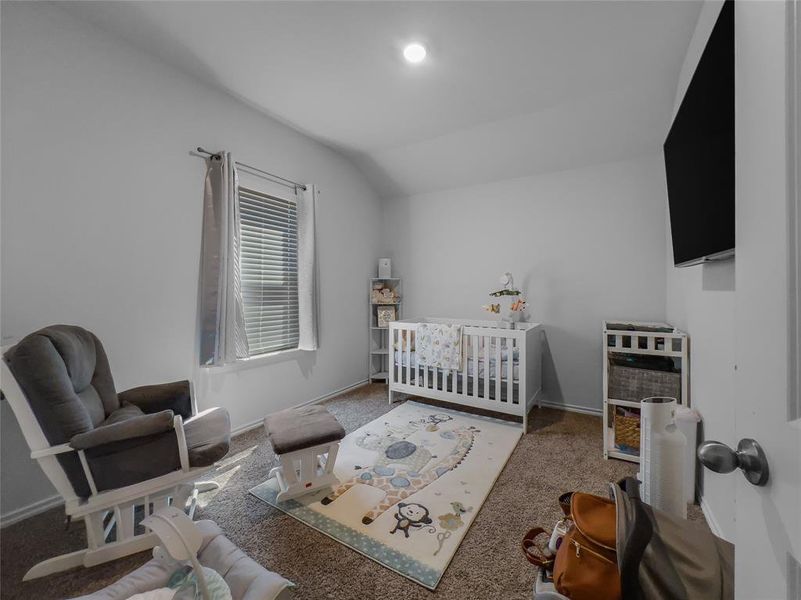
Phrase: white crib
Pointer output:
(501, 368)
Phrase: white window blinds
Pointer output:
(269, 271)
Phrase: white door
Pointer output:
(768, 519)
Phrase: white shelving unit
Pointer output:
(644, 341)
(378, 347)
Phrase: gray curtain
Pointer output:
(307, 270)
(221, 318)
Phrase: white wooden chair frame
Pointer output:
(305, 470)
(101, 511)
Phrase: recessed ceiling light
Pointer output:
(414, 53)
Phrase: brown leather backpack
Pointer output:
(586, 562)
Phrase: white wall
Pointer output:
(584, 245)
(101, 219)
(700, 300)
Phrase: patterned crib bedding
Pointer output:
(402, 358)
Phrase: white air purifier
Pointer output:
(662, 457)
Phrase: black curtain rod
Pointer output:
(278, 179)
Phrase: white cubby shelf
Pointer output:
(623, 338)
(378, 348)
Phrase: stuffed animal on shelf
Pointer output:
(383, 295)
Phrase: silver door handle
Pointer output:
(749, 457)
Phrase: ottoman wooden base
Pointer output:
(306, 470)
(306, 442)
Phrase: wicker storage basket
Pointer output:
(634, 384)
(627, 430)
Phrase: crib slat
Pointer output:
(418, 373)
(401, 368)
(392, 358)
(498, 368)
(461, 374)
(510, 369)
(486, 367)
(400, 356)
(425, 376)
(407, 345)
(474, 340)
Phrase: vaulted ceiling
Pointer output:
(509, 89)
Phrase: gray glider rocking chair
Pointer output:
(114, 458)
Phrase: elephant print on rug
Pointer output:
(399, 484)
(394, 450)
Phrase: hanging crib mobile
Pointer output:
(510, 303)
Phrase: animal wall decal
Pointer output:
(399, 484)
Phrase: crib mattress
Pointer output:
(402, 358)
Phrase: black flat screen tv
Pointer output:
(699, 154)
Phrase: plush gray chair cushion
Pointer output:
(208, 435)
(128, 428)
(65, 375)
(247, 579)
(173, 396)
(127, 438)
(299, 428)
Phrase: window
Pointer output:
(269, 271)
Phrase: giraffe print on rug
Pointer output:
(399, 484)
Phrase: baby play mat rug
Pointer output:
(411, 483)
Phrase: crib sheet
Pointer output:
(401, 358)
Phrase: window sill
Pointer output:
(261, 360)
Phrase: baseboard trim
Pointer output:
(584, 410)
(714, 526)
(258, 422)
(40, 506)
(35, 508)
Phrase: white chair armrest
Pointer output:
(183, 451)
(60, 449)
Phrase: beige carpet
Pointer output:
(561, 452)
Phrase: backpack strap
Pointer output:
(634, 533)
